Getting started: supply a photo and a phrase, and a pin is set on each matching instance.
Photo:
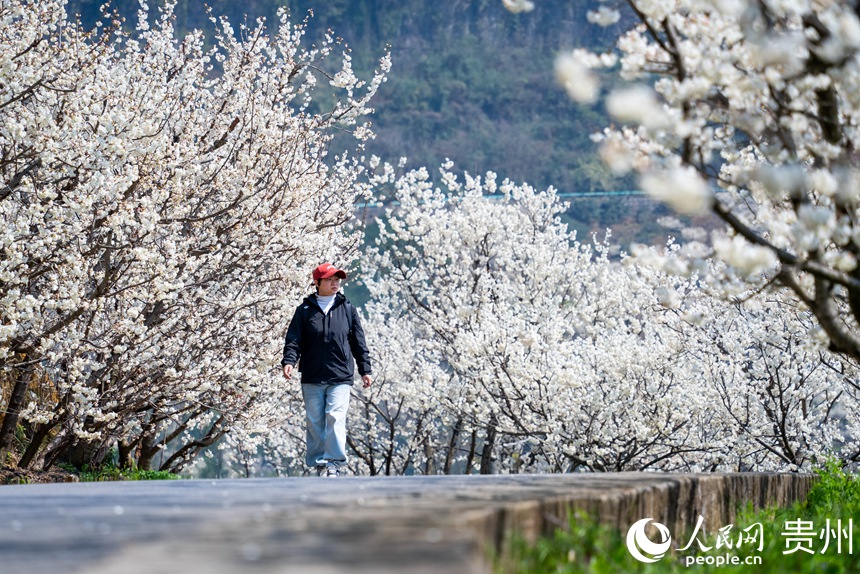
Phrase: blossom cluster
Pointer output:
(746, 110)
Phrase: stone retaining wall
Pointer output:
(619, 500)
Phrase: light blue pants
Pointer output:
(325, 411)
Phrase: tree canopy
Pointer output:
(747, 111)
(159, 220)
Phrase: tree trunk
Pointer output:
(126, 454)
(429, 462)
(42, 432)
(473, 445)
(13, 411)
(452, 446)
(487, 452)
(148, 450)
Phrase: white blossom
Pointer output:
(681, 188)
(638, 105)
(603, 16)
(742, 255)
(517, 6)
(576, 78)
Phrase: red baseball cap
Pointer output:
(327, 270)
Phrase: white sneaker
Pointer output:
(332, 472)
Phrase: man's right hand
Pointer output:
(288, 370)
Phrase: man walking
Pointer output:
(326, 340)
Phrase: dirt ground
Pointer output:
(26, 476)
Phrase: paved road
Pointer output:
(379, 525)
(256, 525)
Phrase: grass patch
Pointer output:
(107, 472)
(809, 537)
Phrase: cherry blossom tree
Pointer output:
(507, 346)
(162, 200)
(747, 110)
(785, 398)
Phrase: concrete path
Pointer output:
(434, 524)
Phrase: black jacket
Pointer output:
(324, 345)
